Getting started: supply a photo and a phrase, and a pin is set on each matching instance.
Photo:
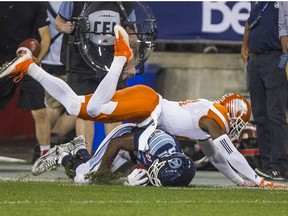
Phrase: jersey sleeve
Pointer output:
(65, 10)
(220, 114)
(42, 17)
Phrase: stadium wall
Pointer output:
(194, 75)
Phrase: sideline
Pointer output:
(11, 160)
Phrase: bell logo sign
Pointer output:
(228, 16)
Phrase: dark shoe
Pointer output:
(286, 174)
(277, 175)
(270, 174)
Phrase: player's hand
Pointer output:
(138, 177)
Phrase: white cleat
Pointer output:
(51, 158)
(121, 46)
(18, 66)
(46, 162)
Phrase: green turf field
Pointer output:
(65, 198)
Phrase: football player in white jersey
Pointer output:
(208, 122)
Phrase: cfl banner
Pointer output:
(200, 21)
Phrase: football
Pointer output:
(32, 44)
(139, 166)
(138, 175)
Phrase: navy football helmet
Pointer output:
(174, 170)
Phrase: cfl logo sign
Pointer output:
(230, 16)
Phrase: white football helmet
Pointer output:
(239, 111)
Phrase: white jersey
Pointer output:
(182, 118)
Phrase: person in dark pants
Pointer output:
(20, 21)
(261, 50)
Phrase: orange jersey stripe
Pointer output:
(134, 104)
(212, 115)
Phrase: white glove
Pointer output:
(135, 178)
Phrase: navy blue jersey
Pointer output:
(160, 143)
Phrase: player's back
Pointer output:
(182, 118)
(160, 144)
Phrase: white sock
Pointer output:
(106, 89)
(57, 88)
(44, 149)
(235, 158)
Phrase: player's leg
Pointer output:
(56, 87)
(106, 89)
(238, 162)
(208, 148)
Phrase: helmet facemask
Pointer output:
(153, 172)
(237, 125)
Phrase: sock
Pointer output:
(235, 158)
(106, 89)
(44, 149)
(58, 89)
(83, 154)
(64, 159)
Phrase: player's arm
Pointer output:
(125, 142)
(211, 126)
(45, 42)
(104, 174)
(225, 149)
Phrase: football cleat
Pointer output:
(248, 183)
(121, 46)
(51, 159)
(47, 161)
(267, 184)
(18, 67)
(78, 143)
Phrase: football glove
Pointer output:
(138, 177)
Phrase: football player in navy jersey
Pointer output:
(168, 165)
